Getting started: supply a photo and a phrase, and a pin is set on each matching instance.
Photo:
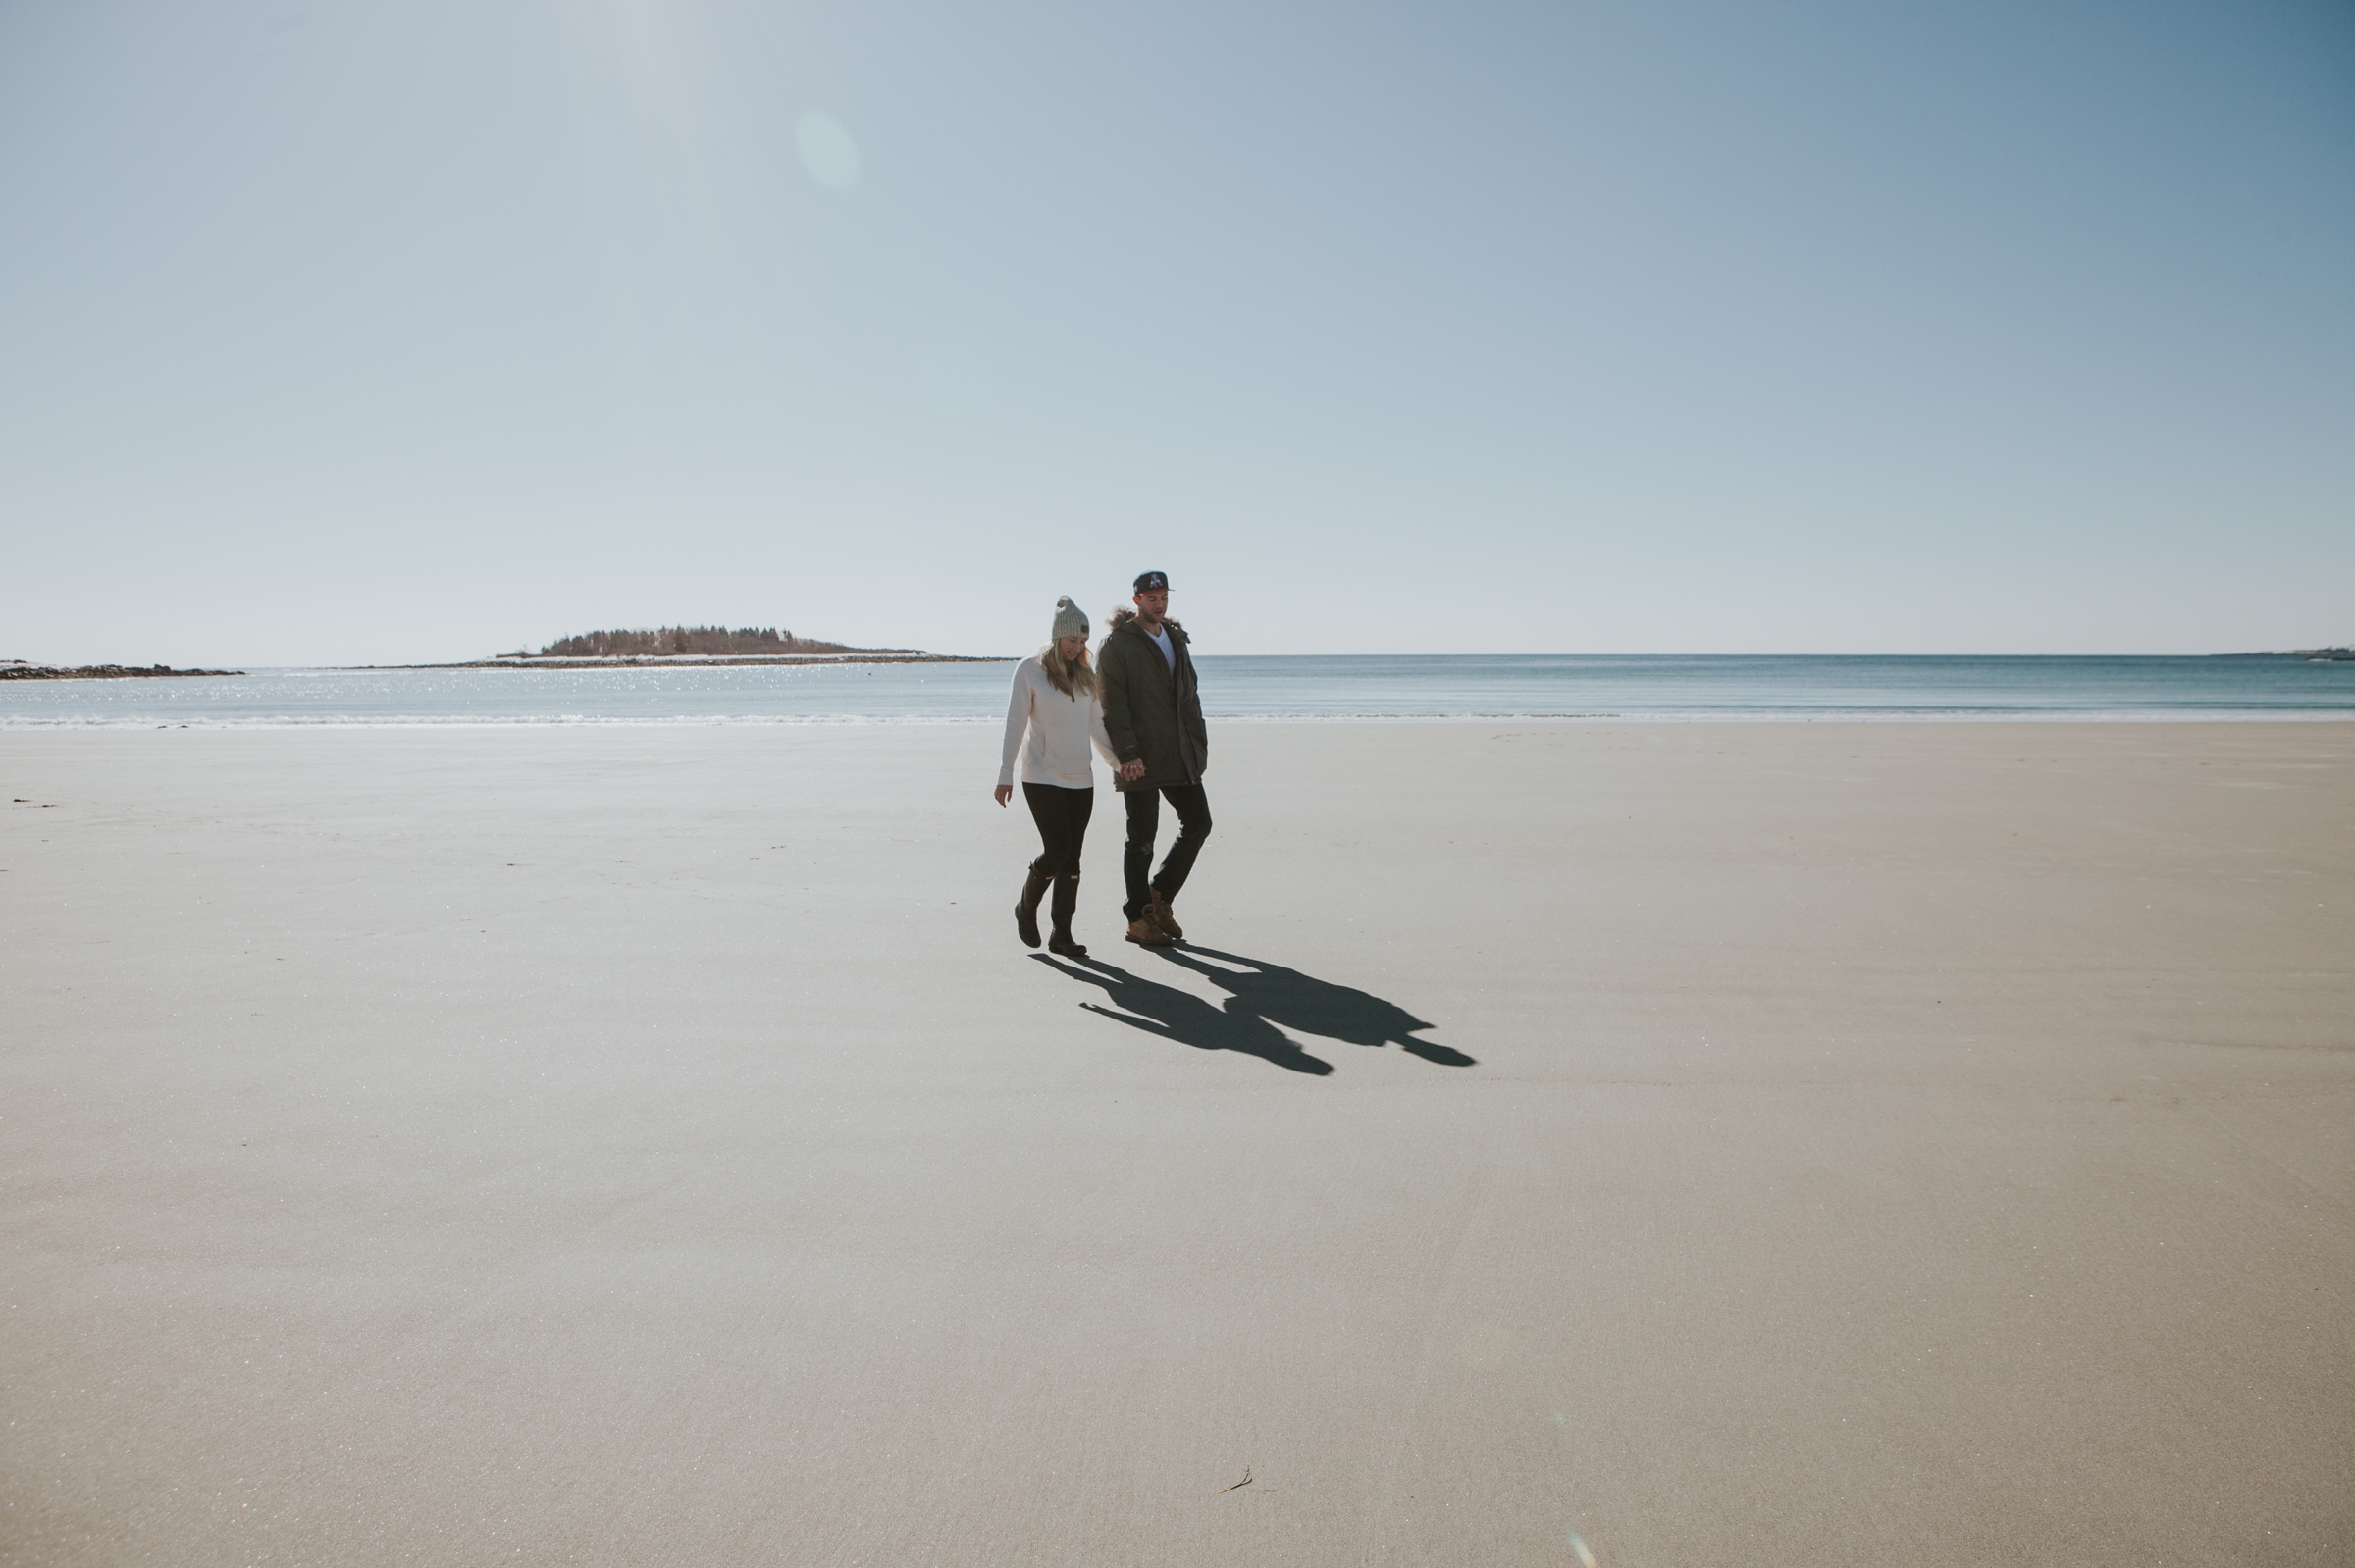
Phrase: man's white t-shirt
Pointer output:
(1161, 640)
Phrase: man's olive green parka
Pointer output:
(1151, 710)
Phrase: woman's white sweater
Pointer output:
(1061, 729)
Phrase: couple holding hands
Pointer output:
(1138, 706)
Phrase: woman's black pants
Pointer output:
(1061, 816)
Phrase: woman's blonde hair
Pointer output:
(1070, 676)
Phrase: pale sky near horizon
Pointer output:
(343, 331)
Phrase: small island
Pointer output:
(703, 645)
(2312, 656)
(661, 645)
(17, 669)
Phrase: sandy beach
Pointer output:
(1840, 1144)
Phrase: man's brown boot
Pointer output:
(1145, 933)
(1161, 915)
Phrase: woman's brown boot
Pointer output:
(1026, 912)
(1067, 900)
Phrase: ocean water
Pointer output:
(1233, 688)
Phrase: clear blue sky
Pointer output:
(382, 329)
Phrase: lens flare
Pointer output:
(827, 150)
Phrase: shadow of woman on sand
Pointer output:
(1185, 1017)
(1296, 1000)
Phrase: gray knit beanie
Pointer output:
(1070, 620)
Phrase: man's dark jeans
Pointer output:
(1144, 822)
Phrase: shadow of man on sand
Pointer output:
(1185, 1017)
(1260, 997)
(1297, 1000)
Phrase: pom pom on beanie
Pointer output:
(1070, 620)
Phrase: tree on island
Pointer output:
(669, 642)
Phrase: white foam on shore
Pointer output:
(445, 721)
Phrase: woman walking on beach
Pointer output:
(1054, 702)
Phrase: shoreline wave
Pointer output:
(858, 720)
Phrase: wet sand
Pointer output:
(1840, 1144)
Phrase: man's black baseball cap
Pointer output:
(1153, 583)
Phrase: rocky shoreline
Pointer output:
(16, 669)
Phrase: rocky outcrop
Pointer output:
(16, 669)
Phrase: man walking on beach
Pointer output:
(1153, 713)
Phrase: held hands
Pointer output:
(1004, 793)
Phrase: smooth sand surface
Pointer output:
(1827, 1144)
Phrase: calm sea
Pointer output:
(1374, 687)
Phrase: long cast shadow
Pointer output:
(1287, 997)
(1185, 1017)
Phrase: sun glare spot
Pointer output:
(827, 150)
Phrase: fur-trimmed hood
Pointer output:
(1125, 616)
